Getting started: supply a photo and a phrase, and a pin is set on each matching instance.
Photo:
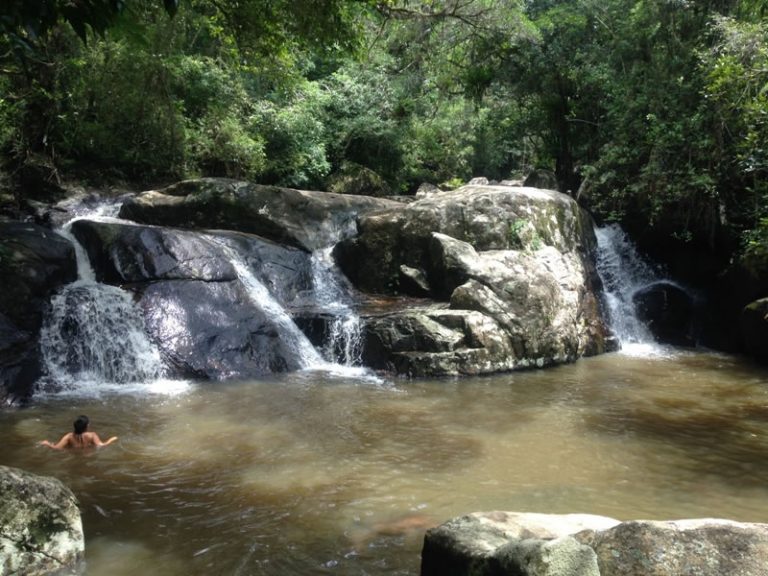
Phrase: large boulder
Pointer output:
(308, 220)
(486, 217)
(34, 263)
(42, 532)
(194, 293)
(512, 266)
(525, 544)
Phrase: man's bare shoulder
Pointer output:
(91, 439)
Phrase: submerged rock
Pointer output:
(525, 544)
(42, 532)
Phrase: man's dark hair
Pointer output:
(81, 424)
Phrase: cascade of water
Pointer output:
(94, 332)
(290, 334)
(344, 339)
(623, 272)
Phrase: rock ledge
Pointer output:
(526, 544)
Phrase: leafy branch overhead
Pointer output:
(26, 21)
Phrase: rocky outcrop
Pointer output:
(34, 263)
(524, 544)
(509, 271)
(303, 219)
(41, 532)
(196, 308)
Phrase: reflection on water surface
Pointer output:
(315, 473)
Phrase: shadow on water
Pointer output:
(711, 417)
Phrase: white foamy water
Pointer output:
(343, 343)
(293, 338)
(89, 389)
(624, 272)
(93, 340)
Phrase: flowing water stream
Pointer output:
(331, 471)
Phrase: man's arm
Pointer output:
(98, 442)
(60, 445)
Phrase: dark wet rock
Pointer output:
(213, 330)
(541, 178)
(34, 263)
(42, 532)
(754, 329)
(195, 305)
(124, 253)
(667, 310)
(526, 544)
(414, 281)
(308, 220)
(127, 253)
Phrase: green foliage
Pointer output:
(655, 110)
(295, 139)
(522, 235)
(25, 22)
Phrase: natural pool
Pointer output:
(321, 473)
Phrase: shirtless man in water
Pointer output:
(80, 438)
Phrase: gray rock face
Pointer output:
(486, 217)
(308, 220)
(512, 266)
(34, 263)
(523, 544)
(42, 532)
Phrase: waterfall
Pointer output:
(290, 334)
(94, 332)
(343, 342)
(623, 272)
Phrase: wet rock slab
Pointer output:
(527, 544)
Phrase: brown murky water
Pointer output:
(313, 473)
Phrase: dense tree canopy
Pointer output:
(652, 112)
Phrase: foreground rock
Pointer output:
(42, 532)
(509, 271)
(34, 263)
(521, 544)
(304, 219)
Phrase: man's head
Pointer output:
(81, 424)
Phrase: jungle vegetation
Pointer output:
(652, 112)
